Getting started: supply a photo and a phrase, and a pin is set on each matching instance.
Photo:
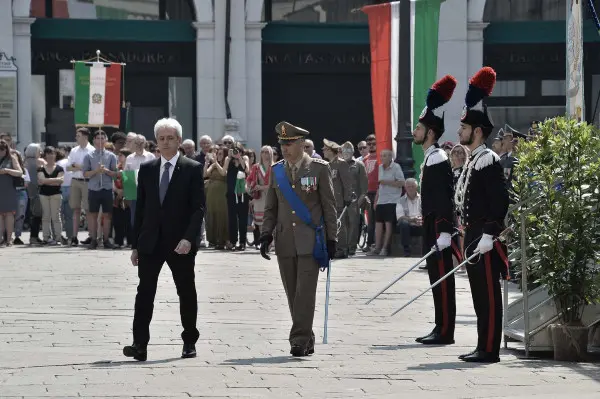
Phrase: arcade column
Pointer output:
(22, 54)
(254, 84)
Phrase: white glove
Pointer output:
(485, 244)
(443, 241)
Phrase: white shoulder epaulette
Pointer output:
(437, 156)
(486, 159)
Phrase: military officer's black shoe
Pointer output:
(420, 339)
(437, 339)
(138, 352)
(461, 357)
(189, 351)
(481, 357)
(300, 351)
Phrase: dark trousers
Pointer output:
(237, 211)
(300, 275)
(444, 295)
(121, 223)
(35, 226)
(484, 279)
(371, 216)
(407, 231)
(182, 268)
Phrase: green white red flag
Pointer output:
(97, 94)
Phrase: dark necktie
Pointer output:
(164, 183)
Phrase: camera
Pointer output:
(235, 151)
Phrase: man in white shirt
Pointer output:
(78, 197)
(135, 160)
(408, 213)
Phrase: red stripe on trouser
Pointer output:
(456, 251)
(444, 296)
(491, 303)
(503, 257)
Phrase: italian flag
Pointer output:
(386, 41)
(97, 94)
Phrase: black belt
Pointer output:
(75, 178)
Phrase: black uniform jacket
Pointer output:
(437, 189)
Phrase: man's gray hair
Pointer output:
(168, 123)
(411, 180)
(205, 137)
(388, 152)
(227, 137)
(131, 135)
(140, 137)
(188, 141)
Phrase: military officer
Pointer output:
(497, 143)
(481, 198)
(342, 182)
(437, 208)
(300, 191)
(358, 184)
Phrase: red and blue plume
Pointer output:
(441, 92)
(480, 86)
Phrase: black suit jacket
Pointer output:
(179, 217)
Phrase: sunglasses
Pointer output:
(228, 142)
(307, 147)
(362, 148)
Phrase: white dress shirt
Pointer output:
(76, 156)
(134, 160)
(63, 163)
(172, 161)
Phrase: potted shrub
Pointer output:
(560, 169)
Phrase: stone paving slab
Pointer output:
(66, 313)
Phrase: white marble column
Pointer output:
(6, 29)
(475, 46)
(237, 69)
(22, 54)
(219, 70)
(452, 59)
(205, 81)
(254, 86)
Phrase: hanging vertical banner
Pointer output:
(574, 78)
(384, 37)
(97, 94)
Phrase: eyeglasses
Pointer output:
(362, 148)
(371, 143)
(307, 147)
(228, 142)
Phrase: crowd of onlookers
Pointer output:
(58, 191)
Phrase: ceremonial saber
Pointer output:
(433, 250)
(475, 254)
(402, 275)
(327, 285)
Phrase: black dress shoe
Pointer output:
(437, 339)
(138, 352)
(461, 357)
(482, 357)
(299, 351)
(420, 339)
(189, 350)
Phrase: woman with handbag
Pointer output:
(258, 184)
(9, 170)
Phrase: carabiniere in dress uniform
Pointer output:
(481, 199)
(438, 211)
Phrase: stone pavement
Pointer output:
(66, 313)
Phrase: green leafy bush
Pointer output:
(558, 177)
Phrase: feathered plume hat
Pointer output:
(475, 112)
(439, 94)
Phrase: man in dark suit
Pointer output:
(168, 216)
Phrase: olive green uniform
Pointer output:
(295, 240)
(359, 184)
